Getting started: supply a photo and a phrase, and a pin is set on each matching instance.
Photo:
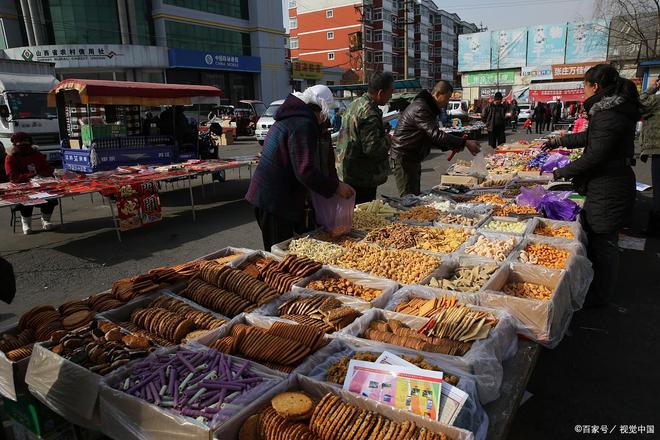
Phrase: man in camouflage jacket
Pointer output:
(364, 143)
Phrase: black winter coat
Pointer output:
(604, 173)
(418, 130)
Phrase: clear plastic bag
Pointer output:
(471, 417)
(335, 214)
(12, 374)
(483, 360)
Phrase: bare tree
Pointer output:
(634, 28)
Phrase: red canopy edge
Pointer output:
(93, 91)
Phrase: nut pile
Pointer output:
(559, 231)
(100, 346)
(504, 211)
(281, 275)
(511, 227)
(492, 199)
(406, 267)
(40, 323)
(425, 307)
(401, 236)
(491, 248)
(397, 333)
(325, 312)
(197, 384)
(316, 250)
(528, 290)
(331, 419)
(466, 279)
(227, 291)
(544, 255)
(457, 219)
(282, 347)
(338, 370)
(366, 221)
(420, 214)
(344, 287)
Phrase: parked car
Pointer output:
(525, 112)
(247, 113)
(266, 121)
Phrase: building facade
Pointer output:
(412, 39)
(236, 45)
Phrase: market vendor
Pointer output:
(604, 173)
(290, 166)
(24, 162)
(417, 131)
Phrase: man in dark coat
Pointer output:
(539, 117)
(604, 173)
(417, 131)
(290, 165)
(494, 116)
(556, 113)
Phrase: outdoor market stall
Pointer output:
(426, 293)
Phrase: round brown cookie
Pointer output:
(348, 422)
(368, 426)
(393, 432)
(377, 428)
(319, 406)
(323, 415)
(385, 426)
(359, 421)
(76, 319)
(333, 411)
(340, 421)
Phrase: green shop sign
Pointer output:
(490, 78)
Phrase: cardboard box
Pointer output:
(470, 181)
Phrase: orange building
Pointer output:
(370, 35)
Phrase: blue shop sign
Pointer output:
(197, 59)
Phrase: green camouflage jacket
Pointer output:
(651, 124)
(363, 146)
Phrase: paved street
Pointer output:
(583, 381)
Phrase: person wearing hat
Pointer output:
(24, 162)
(291, 165)
(494, 116)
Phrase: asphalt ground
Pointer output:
(605, 371)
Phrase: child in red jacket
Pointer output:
(23, 162)
(528, 125)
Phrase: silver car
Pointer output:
(266, 121)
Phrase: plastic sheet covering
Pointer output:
(472, 416)
(12, 374)
(543, 321)
(484, 360)
(388, 287)
(67, 388)
(317, 390)
(579, 272)
(126, 417)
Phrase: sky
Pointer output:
(508, 14)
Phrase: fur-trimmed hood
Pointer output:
(618, 103)
(21, 151)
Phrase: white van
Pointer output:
(525, 112)
(266, 121)
(458, 109)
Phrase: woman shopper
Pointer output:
(651, 148)
(539, 117)
(290, 166)
(604, 173)
(24, 162)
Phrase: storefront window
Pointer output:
(230, 8)
(187, 36)
(84, 22)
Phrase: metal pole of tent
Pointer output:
(192, 199)
(114, 220)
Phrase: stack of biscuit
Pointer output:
(397, 333)
(40, 323)
(204, 321)
(325, 312)
(160, 325)
(127, 289)
(281, 347)
(331, 419)
(227, 291)
(282, 275)
(104, 302)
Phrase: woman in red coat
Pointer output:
(23, 162)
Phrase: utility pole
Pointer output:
(405, 39)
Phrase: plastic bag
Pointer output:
(554, 205)
(556, 160)
(334, 214)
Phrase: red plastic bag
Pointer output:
(335, 214)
